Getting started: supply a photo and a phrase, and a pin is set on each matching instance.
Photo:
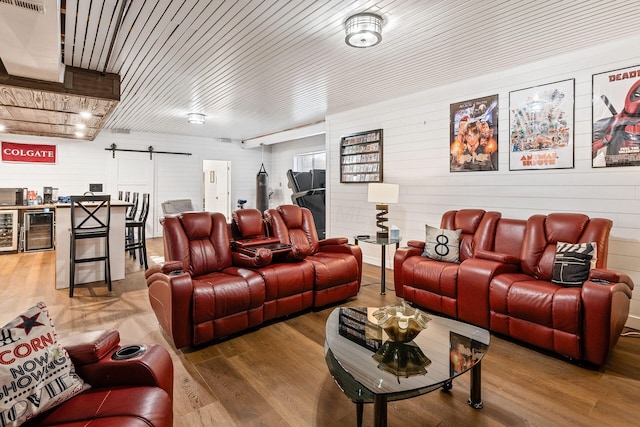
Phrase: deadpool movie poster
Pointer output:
(616, 118)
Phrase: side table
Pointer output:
(383, 242)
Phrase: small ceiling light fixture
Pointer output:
(2, 127)
(195, 118)
(85, 115)
(79, 134)
(363, 30)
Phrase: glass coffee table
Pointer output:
(369, 368)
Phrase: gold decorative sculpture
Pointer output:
(402, 323)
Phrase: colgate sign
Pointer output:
(29, 153)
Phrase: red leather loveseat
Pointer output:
(134, 391)
(206, 290)
(504, 282)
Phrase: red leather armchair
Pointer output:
(131, 392)
(582, 323)
(337, 265)
(430, 283)
(198, 294)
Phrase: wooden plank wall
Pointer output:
(416, 156)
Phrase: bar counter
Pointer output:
(91, 271)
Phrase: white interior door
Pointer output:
(134, 172)
(216, 176)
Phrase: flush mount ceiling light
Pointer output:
(363, 30)
(195, 118)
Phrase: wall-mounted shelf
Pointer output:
(361, 157)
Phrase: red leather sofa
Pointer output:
(337, 265)
(134, 391)
(207, 290)
(503, 282)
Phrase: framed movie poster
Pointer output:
(473, 143)
(616, 118)
(464, 353)
(541, 127)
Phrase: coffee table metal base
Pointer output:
(380, 401)
(475, 400)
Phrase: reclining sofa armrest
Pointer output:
(606, 303)
(496, 256)
(90, 347)
(341, 245)
(399, 258)
(344, 248)
(333, 241)
(153, 368)
(171, 297)
(262, 257)
(92, 355)
(168, 267)
(474, 282)
(417, 244)
(171, 266)
(603, 275)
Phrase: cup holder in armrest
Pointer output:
(129, 352)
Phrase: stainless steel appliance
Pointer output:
(38, 231)
(12, 196)
(8, 230)
(47, 195)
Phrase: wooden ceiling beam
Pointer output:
(25, 100)
(77, 81)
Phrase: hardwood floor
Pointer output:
(276, 375)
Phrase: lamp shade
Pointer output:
(383, 193)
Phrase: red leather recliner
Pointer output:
(583, 323)
(198, 294)
(337, 265)
(430, 283)
(132, 392)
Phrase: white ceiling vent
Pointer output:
(121, 130)
(34, 6)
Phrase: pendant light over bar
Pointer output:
(363, 30)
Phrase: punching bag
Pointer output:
(262, 189)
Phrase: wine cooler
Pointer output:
(8, 230)
(38, 231)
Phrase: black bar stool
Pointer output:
(130, 215)
(136, 235)
(131, 210)
(90, 219)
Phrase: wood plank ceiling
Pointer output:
(256, 67)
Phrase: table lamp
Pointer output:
(382, 195)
